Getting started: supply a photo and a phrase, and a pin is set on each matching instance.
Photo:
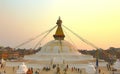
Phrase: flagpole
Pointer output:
(97, 62)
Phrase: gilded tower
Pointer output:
(59, 35)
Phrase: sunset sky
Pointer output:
(98, 21)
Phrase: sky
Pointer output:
(97, 21)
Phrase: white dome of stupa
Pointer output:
(117, 64)
(58, 47)
(22, 69)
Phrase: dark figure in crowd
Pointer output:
(36, 72)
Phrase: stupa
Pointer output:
(2, 61)
(22, 69)
(90, 69)
(117, 64)
(58, 51)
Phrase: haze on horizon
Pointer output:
(98, 21)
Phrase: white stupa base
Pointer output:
(59, 58)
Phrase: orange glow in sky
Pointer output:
(98, 21)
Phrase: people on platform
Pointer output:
(29, 71)
(108, 67)
(36, 72)
(58, 70)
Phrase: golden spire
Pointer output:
(59, 35)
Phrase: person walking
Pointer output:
(29, 71)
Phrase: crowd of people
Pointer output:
(57, 69)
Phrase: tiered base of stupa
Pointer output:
(77, 61)
(59, 58)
